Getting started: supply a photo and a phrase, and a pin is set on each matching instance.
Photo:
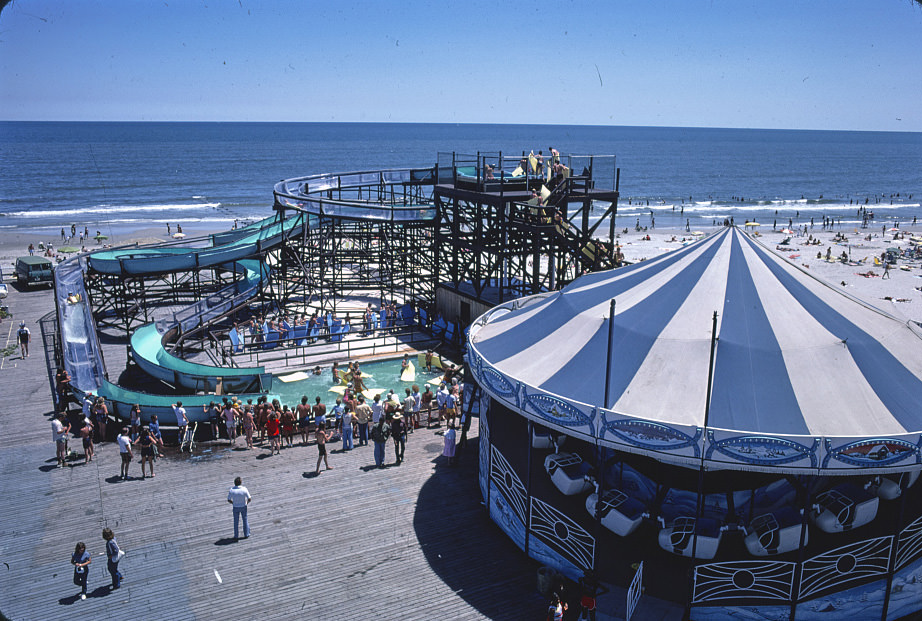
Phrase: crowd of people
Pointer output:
(353, 418)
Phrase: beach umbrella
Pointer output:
(67, 249)
(753, 224)
(178, 235)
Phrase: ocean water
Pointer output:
(116, 177)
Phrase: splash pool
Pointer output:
(385, 375)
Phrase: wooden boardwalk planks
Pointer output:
(410, 542)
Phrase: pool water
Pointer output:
(385, 374)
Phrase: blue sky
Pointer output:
(818, 64)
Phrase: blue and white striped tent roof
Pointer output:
(794, 356)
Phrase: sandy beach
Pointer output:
(15, 243)
(898, 294)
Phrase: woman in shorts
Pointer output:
(249, 424)
(86, 433)
(229, 414)
(147, 442)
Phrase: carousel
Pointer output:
(750, 433)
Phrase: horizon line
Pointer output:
(457, 123)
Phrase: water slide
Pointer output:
(167, 259)
(231, 250)
(147, 342)
(82, 355)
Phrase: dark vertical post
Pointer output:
(611, 332)
(599, 451)
(614, 210)
(894, 546)
(707, 409)
(531, 430)
(801, 552)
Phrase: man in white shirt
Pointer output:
(239, 497)
(417, 405)
(88, 401)
(377, 410)
(59, 429)
(124, 450)
(442, 398)
(410, 410)
(182, 421)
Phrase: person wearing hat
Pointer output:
(399, 433)
(25, 337)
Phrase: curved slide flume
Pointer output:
(147, 342)
(230, 250)
(82, 357)
(83, 360)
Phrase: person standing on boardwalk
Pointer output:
(155, 433)
(363, 414)
(25, 337)
(100, 417)
(442, 397)
(409, 408)
(135, 421)
(86, 433)
(449, 449)
(322, 437)
(399, 433)
(59, 429)
(239, 497)
(417, 405)
(81, 561)
(249, 424)
(426, 404)
(124, 450)
(148, 441)
(319, 412)
(304, 419)
(380, 432)
(273, 429)
(337, 412)
(113, 555)
(347, 430)
(229, 415)
(182, 421)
